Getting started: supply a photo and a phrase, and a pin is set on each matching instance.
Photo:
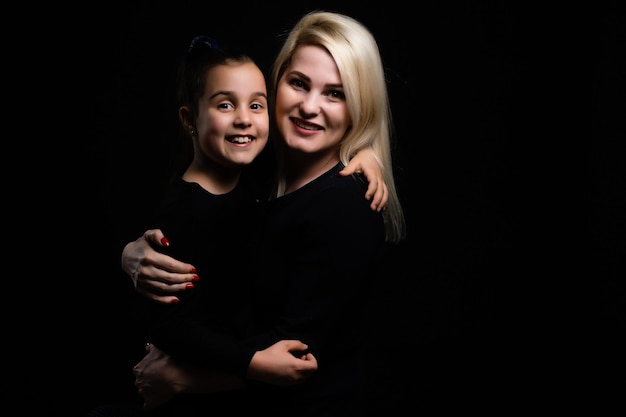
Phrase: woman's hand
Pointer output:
(283, 363)
(365, 161)
(154, 274)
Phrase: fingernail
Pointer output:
(189, 286)
(165, 242)
(193, 270)
(196, 278)
(174, 300)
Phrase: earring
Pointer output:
(192, 131)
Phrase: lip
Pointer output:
(240, 140)
(305, 127)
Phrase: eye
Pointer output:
(297, 83)
(257, 106)
(337, 94)
(225, 106)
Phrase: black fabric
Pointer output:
(319, 251)
(212, 233)
(184, 405)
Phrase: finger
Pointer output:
(154, 236)
(349, 170)
(385, 199)
(380, 194)
(155, 279)
(166, 262)
(379, 201)
(371, 190)
(295, 345)
(374, 190)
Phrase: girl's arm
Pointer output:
(365, 161)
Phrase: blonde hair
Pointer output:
(356, 54)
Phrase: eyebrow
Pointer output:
(308, 79)
(230, 93)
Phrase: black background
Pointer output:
(508, 123)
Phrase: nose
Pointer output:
(310, 105)
(242, 117)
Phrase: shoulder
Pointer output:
(340, 213)
(346, 189)
(183, 195)
(344, 197)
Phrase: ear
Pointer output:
(186, 119)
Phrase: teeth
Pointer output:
(304, 126)
(241, 139)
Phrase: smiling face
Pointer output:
(311, 110)
(233, 121)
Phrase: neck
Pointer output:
(302, 168)
(214, 179)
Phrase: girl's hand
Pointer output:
(365, 162)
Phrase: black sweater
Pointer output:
(318, 254)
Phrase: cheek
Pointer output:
(284, 98)
(215, 125)
(341, 118)
(263, 126)
(280, 112)
(203, 122)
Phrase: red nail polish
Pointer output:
(175, 300)
(189, 286)
(196, 278)
(165, 242)
(193, 270)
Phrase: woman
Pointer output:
(320, 243)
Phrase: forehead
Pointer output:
(236, 77)
(315, 62)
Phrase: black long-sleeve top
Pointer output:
(318, 254)
(212, 232)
